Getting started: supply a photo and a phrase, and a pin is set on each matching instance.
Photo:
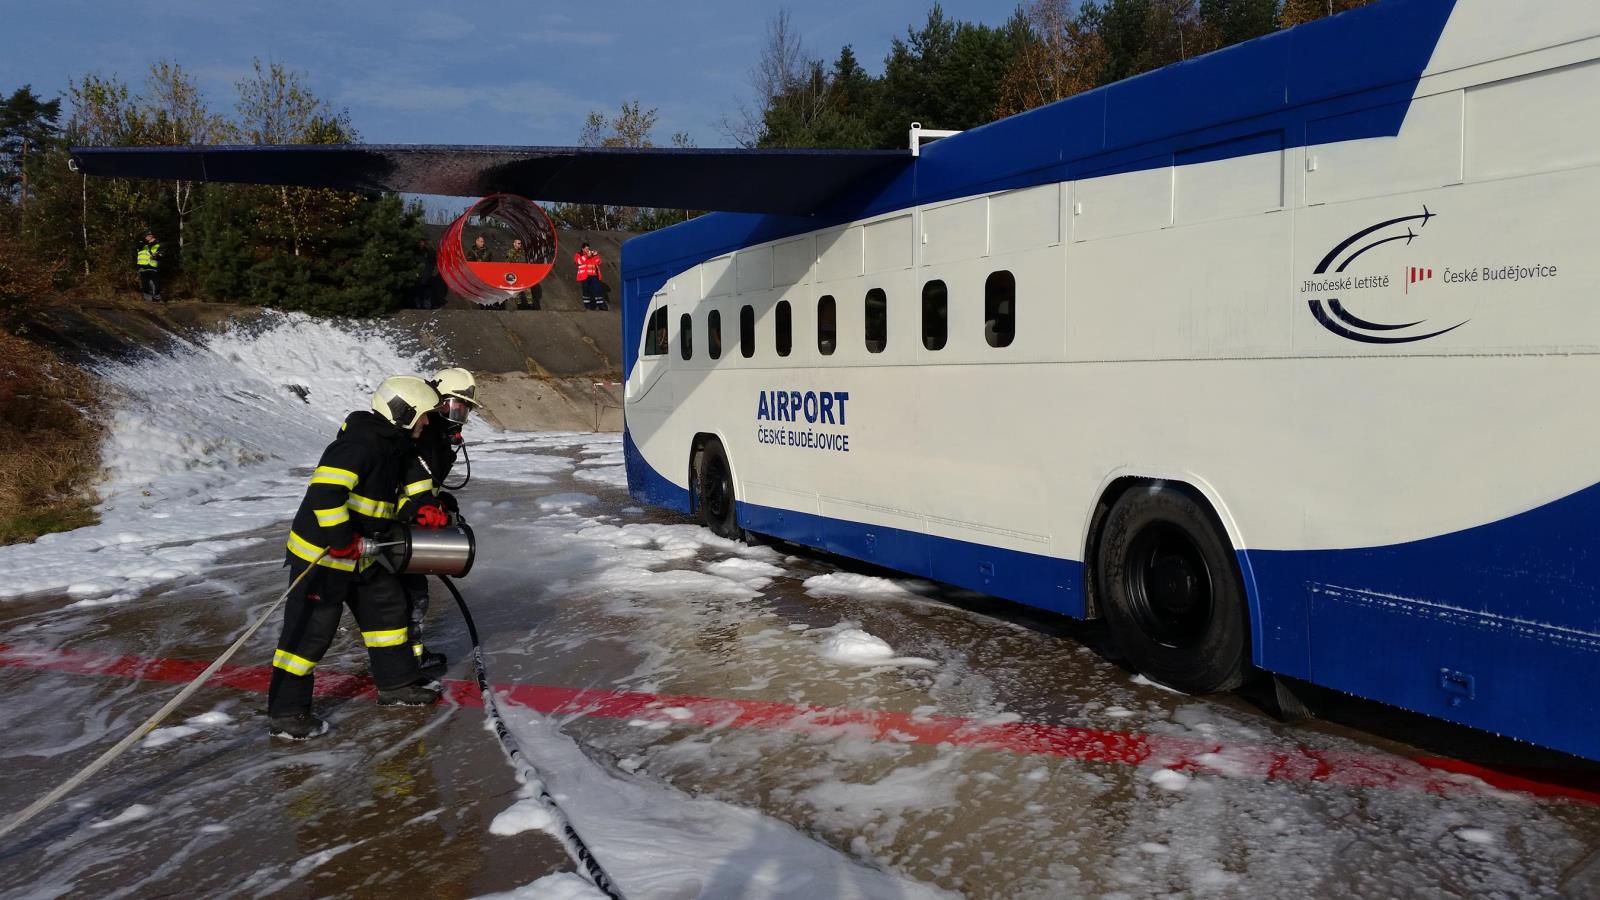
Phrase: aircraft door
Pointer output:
(654, 355)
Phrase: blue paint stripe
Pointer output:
(1033, 579)
(646, 484)
(1041, 581)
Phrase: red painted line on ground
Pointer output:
(1302, 764)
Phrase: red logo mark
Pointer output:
(1415, 274)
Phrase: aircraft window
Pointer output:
(714, 334)
(785, 327)
(685, 335)
(747, 332)
(935, 315)
(827, 325)
(877, 310)
(1000, 309)
(655, 336)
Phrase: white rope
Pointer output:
(105, 758)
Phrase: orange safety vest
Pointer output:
(588, 266)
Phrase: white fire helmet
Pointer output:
(403, 399)
(457, 383)
(458, 392)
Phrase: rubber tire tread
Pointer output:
(1219, 661)
(728, 525)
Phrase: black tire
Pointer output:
(715, 494)
(1171, 591)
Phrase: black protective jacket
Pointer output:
(352, 492)
(432, 456)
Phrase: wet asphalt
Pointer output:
(403, 799)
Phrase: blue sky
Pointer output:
(475, 73)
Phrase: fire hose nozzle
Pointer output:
(371, 549)
(425, 551)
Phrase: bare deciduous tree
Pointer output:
(179, 115)
(782, 67)
(633, 126)
(276, 107)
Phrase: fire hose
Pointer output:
(526, 773)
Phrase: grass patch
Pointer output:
(28, 526)
(51, 417)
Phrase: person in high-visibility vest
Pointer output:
(588, 262)
(148, 260)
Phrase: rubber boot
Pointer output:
(432, 663)
(297, 727)
(423, 693)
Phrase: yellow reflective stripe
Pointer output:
(370, 507)
(335, 516)
(418, 487)
(416, 650)
(309, 552)
(394, 637)
(294, 665)
(333, 475)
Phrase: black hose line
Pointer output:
(466, 458)
(575, 846)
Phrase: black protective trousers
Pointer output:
(311, 615)
(149, 284)
(416, 587)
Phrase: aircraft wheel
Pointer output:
(718, 511)
(1172, 593)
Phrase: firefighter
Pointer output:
(588, 264)
(350, 497)
(434, 455)
(148, 260)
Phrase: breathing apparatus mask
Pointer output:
(454, 410)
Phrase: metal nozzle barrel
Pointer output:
(449, 551)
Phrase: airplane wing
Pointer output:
(760, 181)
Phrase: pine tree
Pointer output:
(29, 126)
(1233, 21)
(384, 261)
(223, 250)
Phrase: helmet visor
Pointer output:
(454, 409)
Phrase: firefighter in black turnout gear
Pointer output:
(351, 496)
(424, 501)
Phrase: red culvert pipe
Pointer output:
(492, 282)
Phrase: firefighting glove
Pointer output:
(431, 516)
(349, 551)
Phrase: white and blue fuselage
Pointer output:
(1341, 280)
